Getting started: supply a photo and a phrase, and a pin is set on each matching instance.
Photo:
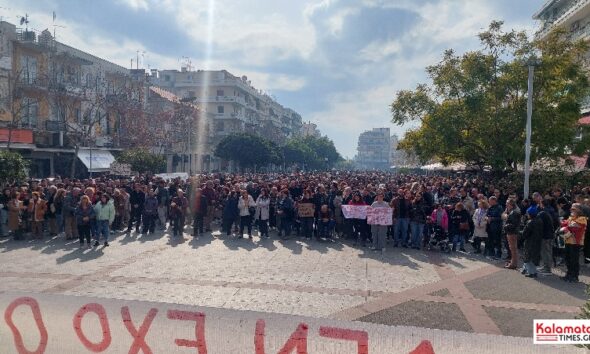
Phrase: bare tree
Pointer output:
(15, 103)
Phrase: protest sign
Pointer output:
(306, 210)
(355, 211)
(379, 216)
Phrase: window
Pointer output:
(220, 109)
(108, 125)
(29, 69)
(191, 94)
(166, 77)
(30, 110)
(78, 115)
(220, 93)
(219, 126)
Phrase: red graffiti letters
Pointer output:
(199, 319)
(18, 339)
(361, 337)
(138, 336)
(104, 324)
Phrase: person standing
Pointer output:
(401, 211)
(479, 226)
(263, 212)
(494, 229)
(15, 208)
(105, 215)
(230, 211)
(137, 200)
(533, 237)
(150, 212)
(163, 202)
(52, 211)
(84, 216)
(379, 232)
(178, 208)
(459, 226)
(285, 213)
(418, 211)
(576, 226)
(307, 221)
(548, 236)
(511, 228)
(211, 197)
(200, 206)
(37, 210)
(247, 207)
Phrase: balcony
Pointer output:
(55, 126)
(562, 16)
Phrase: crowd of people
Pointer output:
(462, 210)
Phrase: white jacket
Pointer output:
(243, 206)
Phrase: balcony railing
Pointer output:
(562, 16)
(55, 126)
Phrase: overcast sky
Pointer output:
(337, 62)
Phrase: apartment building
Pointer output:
(57, 102)
(310, 129)
(232, 105)
(374, 150)
(572, 15)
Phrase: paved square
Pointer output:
(310, 278)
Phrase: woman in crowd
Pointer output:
(459, 226)
(84, 217)
(37, 209)
(58, 201)
(379, 232)
(512, 221)
(479, 222)
(263, 212)
(575, 227)
(105, 215)
(247, 207)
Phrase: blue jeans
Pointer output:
(458, 238)
(60, 222)
(401, 231)
(102, 229)
(417, 229)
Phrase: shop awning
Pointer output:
(101, 159)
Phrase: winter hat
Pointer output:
(532, 211)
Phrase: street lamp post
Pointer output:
(532, 62)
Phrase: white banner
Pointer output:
(41, 323)
(355, 211)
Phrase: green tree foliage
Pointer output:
(315, 153)
(474, 110)
(248, 150)
(14, 167)
(143, 161)
(254, 151)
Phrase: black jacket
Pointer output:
(548, 228)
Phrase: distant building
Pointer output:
(234, 105)
(310, 129)
(374, 149)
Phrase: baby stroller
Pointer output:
(439, 239)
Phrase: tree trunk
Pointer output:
(74, 160)
(9, 138)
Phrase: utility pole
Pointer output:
(532, 62)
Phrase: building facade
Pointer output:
(374, 150)
(572, 15)
(232, 105)
(57, 102)
(310, 129)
